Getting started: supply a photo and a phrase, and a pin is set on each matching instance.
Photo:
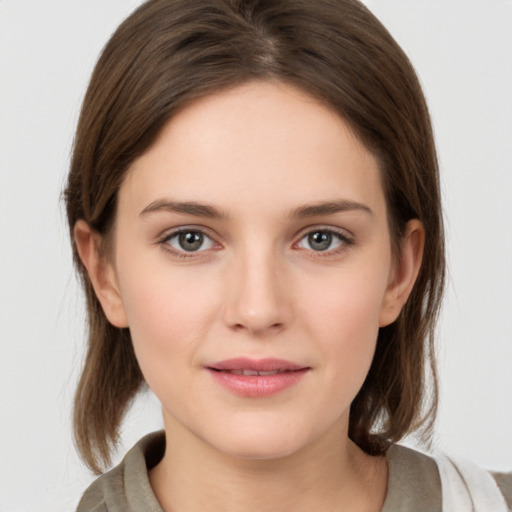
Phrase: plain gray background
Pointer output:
(462, 50)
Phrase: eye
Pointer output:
(189, 240)
(323, 240)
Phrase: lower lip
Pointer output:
(258, 386)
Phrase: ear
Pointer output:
(404, 273)
(101, 273)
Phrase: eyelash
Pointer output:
(343, 237)
(164, 242)
(345, 240)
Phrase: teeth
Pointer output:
(252, 373)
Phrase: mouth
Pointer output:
(251, 373)
(257, 378)
(247, 366)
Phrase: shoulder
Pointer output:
(504, 481)
(465, 484)
(126, 487)
(98, 495)
(440, 481)
(414, 482)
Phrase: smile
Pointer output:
(256, 378)
(252, 372)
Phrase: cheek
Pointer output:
(168, 315)
(343, 316)
(349, 299)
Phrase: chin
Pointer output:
(265, 443)
(260, 451)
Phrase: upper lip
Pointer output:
(257, 365)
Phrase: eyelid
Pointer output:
(171, 233)
(347, 239)
(343, 235)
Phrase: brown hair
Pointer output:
(169, 52)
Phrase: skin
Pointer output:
(260, 154)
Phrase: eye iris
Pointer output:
(191, 241)
(320, 240)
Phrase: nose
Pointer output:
(259, 300)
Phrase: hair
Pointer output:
(168, 53)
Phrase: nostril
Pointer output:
(257, 329)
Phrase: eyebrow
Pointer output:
(185, 207)
(328, 208)
(210, 212)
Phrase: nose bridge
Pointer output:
(257, 301)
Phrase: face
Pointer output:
(253, 266)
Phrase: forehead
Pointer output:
(253, 144)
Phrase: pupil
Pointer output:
(320, 241)
(191, 241)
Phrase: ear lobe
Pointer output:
(405, 272)
(101, 273)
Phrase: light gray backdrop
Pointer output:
(462, 51)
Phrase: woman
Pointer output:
(254, 204)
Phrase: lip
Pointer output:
(256, 378)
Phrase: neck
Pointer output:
(193, 476)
